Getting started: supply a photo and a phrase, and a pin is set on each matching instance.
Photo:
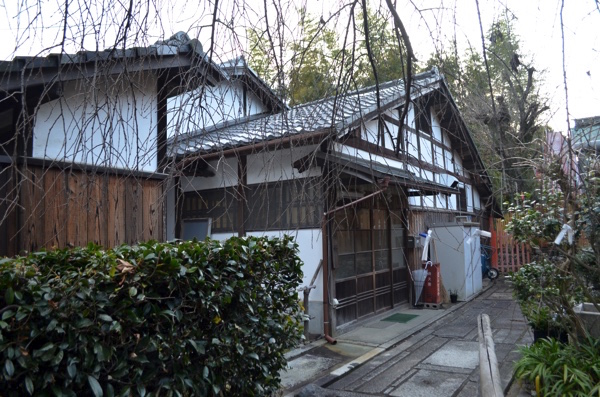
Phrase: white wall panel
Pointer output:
(427, 175)
(412, 144)
(273, 166)
(226, 175)
(429, 201)
(426, 151)
(207, 106)
(439, 156)
(435, 127)
(469, 192)
(446, 137)
(390, 133)
(476, 199)
(414, 200)
(442, 201)
(369, 131)
(449, 162)
(110, 123)
(452, 202)
(458, 164)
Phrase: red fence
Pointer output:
(509, 255)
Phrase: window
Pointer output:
(284, 205)
(196, 228)
(220, 205)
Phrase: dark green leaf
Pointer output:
(7, 314)
(57, 358)
(46, 347)
(105, 317)
(9, 368)
(9, 296)
(95, 386)
(57, 391)
(72, 369)
(29, 385)
(141, 389)
(84, 323)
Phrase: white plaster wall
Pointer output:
(469, 193)
(276, 165)
(449, 163)
(435, 127)
(222, 236)
(412, 145)
(426, 151)
(444, 179)
(442, 201)
(429, 201)
(106, 122)
(414, 169)
(254, 104)
(410, 116)
(362, 154)
(225, 169)
(427, 175)
(476, 199)
(458, 164)
(207, 106)
(414, 201)
(446, 140)
(452, 202)
(391, 131)
(439, 156)
(369, 131)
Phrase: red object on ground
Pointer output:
(431, 289)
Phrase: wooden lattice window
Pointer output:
(220, 205)
(284, 205)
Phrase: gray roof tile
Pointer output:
(337, 113)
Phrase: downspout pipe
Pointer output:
(326, 216)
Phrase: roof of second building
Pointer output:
(338, 113)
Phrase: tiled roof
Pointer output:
(337, 113)
(31, 67)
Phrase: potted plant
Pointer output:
(544, 323)
(545, 291)
(453, 295)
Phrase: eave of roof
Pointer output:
(25, 71)
(339, 113)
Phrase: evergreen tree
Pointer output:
(505, 120)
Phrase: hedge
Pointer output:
(181, 319)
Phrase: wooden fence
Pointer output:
(43, 207)
(508, 255)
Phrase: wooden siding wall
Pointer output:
(58, 207)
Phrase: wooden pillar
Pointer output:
(241, 195)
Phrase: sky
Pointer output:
(431, 24)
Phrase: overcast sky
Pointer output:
(430, 24)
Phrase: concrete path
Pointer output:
(434, 354)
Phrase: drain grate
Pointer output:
(400, 317)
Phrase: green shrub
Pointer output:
(181, 319)
(544, 290)
(562, 370)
